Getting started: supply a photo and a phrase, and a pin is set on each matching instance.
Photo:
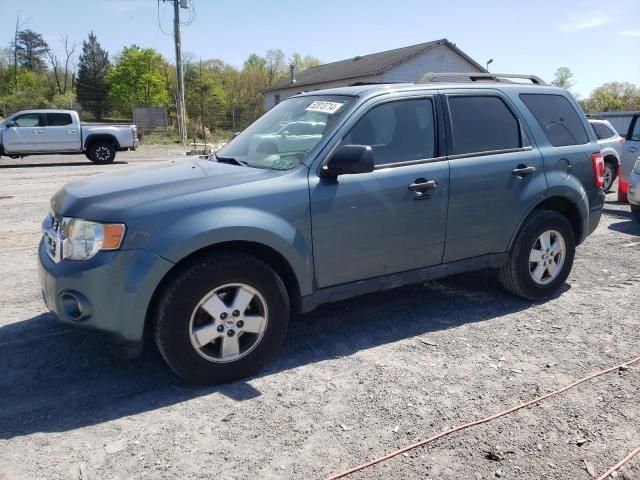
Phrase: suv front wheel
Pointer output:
(541, 257)
(221, 318)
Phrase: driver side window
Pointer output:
(398, 131)
(28, 120)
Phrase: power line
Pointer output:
(164, 9)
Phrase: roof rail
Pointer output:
(479, 77)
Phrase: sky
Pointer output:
(598, 40)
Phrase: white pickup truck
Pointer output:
(41, 132)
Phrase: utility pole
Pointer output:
(180, 105)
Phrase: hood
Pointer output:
(95, 196)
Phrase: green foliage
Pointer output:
(613, 96)
(31, 48)
(33, 91)
(562, 78)
(91, 86)
(303, 63)
(137, 79)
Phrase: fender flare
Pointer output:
(94, 137)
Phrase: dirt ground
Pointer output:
(353, 381)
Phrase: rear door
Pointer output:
(61, 133)
(496, 174)
(26, 136)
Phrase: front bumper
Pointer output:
(109, 293)
(633, 193)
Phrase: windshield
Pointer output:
(283, 136)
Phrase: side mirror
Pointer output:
(10, 124)
(349, 159)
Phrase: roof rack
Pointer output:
(479, 77)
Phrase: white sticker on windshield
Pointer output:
(324, 107)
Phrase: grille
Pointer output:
(52, 230)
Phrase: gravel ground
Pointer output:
(353, 381)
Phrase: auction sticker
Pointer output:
(324, 107)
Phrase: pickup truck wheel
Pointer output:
(221, 318)
(541, 257)
(635, 211)
(609, 176)
(102, 152)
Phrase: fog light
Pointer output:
(75, 305)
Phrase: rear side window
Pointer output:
(58, 119)
(557, 117)
(482, 124)
(397, 131)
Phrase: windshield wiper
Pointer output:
(230, 160)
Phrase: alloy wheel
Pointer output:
(228, 322)
(607, 177)
(547, 257)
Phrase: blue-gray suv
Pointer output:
(397, 184)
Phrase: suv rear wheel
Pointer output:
(541, 257)
(221, 318)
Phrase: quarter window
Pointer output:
(28, 120)
(397, 131)
(482, 124)
(557, 117)
(58, 119)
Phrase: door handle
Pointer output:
(522, 170)
(37, 131)
(421, 186)
(71, 131)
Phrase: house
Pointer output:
(405, 64)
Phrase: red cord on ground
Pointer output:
(619, 464)
(484, 420)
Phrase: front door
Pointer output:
(392, 219)
(27, 135)
(496, 175)
(61, 134)
(631, 149)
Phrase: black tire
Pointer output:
(516, 276)
(188, 287)
(102, 152)
(635, 211)
(609, 167)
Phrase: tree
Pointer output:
(30, 50)
(562, 78)
(137, 78)
(276, 65)
(303, 63)
(613, 96)
(91, 86)
(56, 64)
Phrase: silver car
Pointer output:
(611, 144)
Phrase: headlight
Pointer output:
(636, 167)
(82, 239)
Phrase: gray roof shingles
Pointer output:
(365, 65)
